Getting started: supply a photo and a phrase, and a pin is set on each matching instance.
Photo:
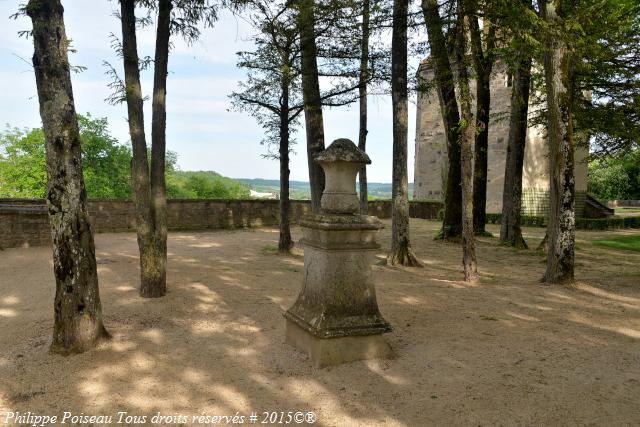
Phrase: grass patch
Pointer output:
(270, 250)
(627, 210)
(628, 243)
(291, 269)
(484, 317)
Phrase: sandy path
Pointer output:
(509, 351)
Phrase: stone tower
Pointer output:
(431, 150)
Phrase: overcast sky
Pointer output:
(200, 128)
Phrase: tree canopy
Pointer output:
(106, 167)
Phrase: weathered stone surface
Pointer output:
(336, 317)
(431, 150)
(338, 296)
(335, 351)
(343, 150)
(24, 222)
(24, 226)
(341, 163)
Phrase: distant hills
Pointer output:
(299, 190)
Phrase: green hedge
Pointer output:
(632, 222)
(581, 223)
(608, 223)
(527, 220)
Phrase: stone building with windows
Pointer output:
(431, 150)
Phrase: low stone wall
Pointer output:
(23, 225)
(624, 203)
(24, 222)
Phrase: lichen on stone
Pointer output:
(343, 150)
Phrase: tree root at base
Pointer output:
(404, 256)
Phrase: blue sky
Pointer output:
(200, 128)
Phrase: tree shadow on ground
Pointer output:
(506, 351)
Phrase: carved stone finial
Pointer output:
(341, 162)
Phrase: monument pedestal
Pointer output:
(336, 318)
(335, 351)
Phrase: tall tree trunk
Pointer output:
(466, 143)
(401, 252)
(285, 243)
(77, 310)
(452, 224)
(314, 125)
(558, 70)
(364, 76)
(510, 231)
(483, 58)
(483, 106)
(156, 286)
(152, 276)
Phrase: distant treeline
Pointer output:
(299, 190)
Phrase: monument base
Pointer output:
(334, 351)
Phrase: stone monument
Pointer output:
(336, 317)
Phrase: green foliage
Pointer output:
(22, 163)
(603, 37)
(606, 34)
(105, 162)
(615, 177)
(271, 91)
(106, 167)
(630, 243)
(204, 185)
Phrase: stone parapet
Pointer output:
(24, 222)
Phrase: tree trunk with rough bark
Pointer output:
(145, 197)
(483, 58)
(558, 70)
(510, 228)
(401, 252)
(452, 224)
(314, 124)
(483, 106)
(158, 286)
(364, 75)
(466, 144)
(77, 310)
(284, 243)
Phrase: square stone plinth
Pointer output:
(334, 351)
